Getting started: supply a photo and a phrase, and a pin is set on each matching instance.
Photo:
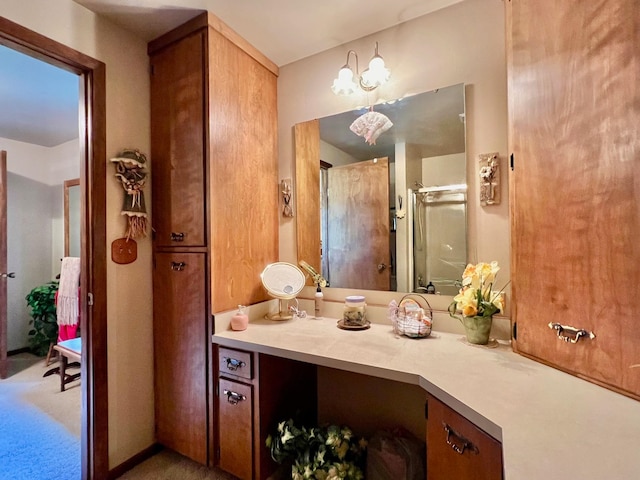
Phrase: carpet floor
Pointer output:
(39, 425)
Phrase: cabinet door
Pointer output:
(235, 427)
(180, 343)
(457, 449)
(177, 143)
(574, 108)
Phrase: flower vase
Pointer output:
(477, 329)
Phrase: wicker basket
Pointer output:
(409, 320)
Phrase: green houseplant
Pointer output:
(42, 301)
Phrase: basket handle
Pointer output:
(419, 297)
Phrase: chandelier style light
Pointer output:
(374, 76)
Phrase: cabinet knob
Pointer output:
(177, 237)
(570, 334)
(234, 364)
(234, 397)
(457, 442)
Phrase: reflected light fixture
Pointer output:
(374, 76)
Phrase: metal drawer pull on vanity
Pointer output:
(234, 397)
(178, 266)
(234, 364)
(177, 237)
(574, 334)
(466, 444)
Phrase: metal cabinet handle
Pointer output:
(234, 397)
(572, 335)
(177, 237)
(461, 444)
(178, 266)
(381, 267)
(234, 364)
(8, 275)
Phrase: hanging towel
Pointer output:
(67, 307)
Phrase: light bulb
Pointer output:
(344, 84)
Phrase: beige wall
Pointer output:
(463, 43)
(130, 361)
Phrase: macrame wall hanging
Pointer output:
(130, 171)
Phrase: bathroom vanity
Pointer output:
(512, 418)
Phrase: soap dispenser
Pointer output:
(319, 303)
(240, 320)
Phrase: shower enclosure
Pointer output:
(439, 219)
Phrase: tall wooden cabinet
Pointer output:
(574, 111)
(215, 210)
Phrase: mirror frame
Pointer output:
(74, 182)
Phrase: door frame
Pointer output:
(93, 278)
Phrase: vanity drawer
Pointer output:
(236, 363)
(456, 448)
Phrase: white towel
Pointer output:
(67, 306)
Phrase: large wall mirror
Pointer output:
(392, 215)
(72, 218)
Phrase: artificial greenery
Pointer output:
(42, 301)
(319, 453)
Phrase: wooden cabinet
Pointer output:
(215, 198)
(574, 108)
(456, 448)
(255, 392)
(180, 345)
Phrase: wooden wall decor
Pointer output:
(489, 179)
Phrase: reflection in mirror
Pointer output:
(392, 215)
(72, 218)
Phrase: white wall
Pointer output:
(463, 43)
(129, 293)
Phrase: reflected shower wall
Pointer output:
(439, 237)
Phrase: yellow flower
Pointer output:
(469, 310)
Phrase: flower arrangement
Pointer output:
(319, 453)
(476, 297)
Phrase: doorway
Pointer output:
(93, 307)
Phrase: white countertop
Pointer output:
(552, 425)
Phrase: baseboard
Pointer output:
(137, 459)
(18, 350)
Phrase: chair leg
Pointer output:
(50, 355)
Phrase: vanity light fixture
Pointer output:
(374, 76)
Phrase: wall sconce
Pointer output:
(374, 76)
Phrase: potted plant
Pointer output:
(477, 301)
(42, 301)
(319, 453)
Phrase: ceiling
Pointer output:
(40, 102)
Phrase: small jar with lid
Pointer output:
(354, 313)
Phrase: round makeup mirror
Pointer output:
(283, 281)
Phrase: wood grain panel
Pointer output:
(359, 216)
(180, 343)
(236, 429)
(307, 195)
(243, 174)
(574, 107)
(177, 143)
(481, 461)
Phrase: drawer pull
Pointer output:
(457, 442)
(570, 334)
(234, 397)
(177, 237)
(234, 364)
(178, 266)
